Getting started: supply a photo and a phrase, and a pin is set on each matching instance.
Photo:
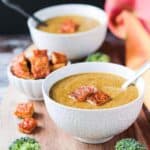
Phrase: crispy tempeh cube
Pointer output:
(58, 58)
(57, 66)
(98, 98)
(68, 26)
(24, 110)
(39, 64)
(27, 125)
(82, 93)
(20, 67)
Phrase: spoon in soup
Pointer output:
(128, 82)
(23, 12)
(138, 74)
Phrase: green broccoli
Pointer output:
(129, 144)
(25, 143)
(99, 57)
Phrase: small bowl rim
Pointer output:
(66, 34)
(141, 96)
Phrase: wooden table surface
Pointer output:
(52, 138)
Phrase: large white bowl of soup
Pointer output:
(74, 29)
(87, 121)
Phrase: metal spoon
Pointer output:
(116, 90)
(130, 81)
(22, 11)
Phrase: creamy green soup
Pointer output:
(108, 83)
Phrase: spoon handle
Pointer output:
(144, 68)
(21, 11)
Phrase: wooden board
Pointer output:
(52, 138)
(146, 78)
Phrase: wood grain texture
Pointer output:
(146, 78)
(53, 138)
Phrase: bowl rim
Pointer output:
(141, 96)
(30, 25)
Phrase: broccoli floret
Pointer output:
(129, 144)
(25, 143)
(100, 57)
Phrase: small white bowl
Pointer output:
(75, 45)
(98, 125)
(31, 88)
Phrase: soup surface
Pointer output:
(69, 24)
(108, 83)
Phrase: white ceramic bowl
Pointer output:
(31, 88)
(76, 45)
(92, 126)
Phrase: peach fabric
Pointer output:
(138, 7)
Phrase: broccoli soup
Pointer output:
(69, 24)
(92, 91)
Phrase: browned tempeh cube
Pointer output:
(58, 58)
(39, 64)
(24, 110)
(27, 125)
(68, 26)
(20, 68)
(98, 98)
(57, 66)
(82, 93)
